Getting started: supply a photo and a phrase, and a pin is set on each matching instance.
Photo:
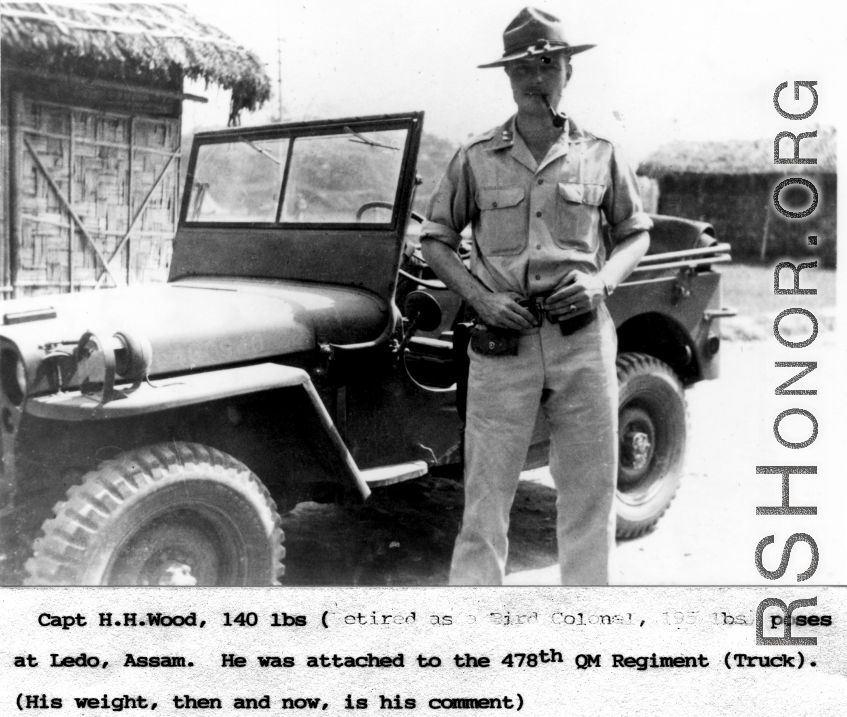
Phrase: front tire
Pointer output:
(170, 514)
(652, 433)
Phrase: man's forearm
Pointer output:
(624, 259)
(495, 309)
(448, 267)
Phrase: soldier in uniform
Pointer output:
(537, 192)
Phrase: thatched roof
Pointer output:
(136, 41)
(742, 157)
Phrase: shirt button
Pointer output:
(538, 246)
(494, 205)
(538, 214)
(541, 181)
(538, 276)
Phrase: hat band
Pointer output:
(538, 47)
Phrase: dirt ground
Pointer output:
(404, 535)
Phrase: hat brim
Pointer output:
(524, 54)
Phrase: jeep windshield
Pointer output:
(339, 175)
(322, 202)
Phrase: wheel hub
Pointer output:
(181, 547)
(169, 572)
(637, 447)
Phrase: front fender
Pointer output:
(193, 389)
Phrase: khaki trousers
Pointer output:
(573, 380)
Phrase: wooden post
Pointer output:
(16, 110)
(177, 201)
(129, 200)
(763, 252)
(71, 231)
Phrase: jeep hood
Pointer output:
(196, 324)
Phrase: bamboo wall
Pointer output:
(112, 170)
(741, 209)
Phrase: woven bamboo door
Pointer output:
(98, 197)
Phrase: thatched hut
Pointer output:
(91, 107)
(731, 185)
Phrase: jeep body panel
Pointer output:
(167, 394)
(194, 325)
(656, 316)
(194, 389)
(668, 306)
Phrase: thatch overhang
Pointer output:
(141, 42)
(740, 157)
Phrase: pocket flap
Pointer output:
(497, 198)
(583, 193)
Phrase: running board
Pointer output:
(387, 475)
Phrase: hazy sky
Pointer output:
(661, 70)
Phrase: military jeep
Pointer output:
(300, 350)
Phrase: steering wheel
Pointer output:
(411, 251)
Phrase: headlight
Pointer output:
(133, 356)
(13, 376)
(95, 367)
(125, 355)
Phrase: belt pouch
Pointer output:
(490, 341)
(569, 326)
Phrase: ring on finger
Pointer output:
(572, 307)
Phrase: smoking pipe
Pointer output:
(558, 118)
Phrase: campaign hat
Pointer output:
(534, 32)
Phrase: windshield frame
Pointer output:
(292, 131)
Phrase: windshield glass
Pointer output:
(347, 177)
(238, 181)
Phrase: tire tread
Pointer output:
(57, 553)
(630, 365)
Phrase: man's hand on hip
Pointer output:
(580, 294)
(503, 311)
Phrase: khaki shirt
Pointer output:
(535, 222)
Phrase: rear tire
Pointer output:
(652, 433)
(170, 514)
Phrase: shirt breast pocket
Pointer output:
(503, 222)
(578, 215)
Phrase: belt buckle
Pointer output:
(535, 306)
(542, 311)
